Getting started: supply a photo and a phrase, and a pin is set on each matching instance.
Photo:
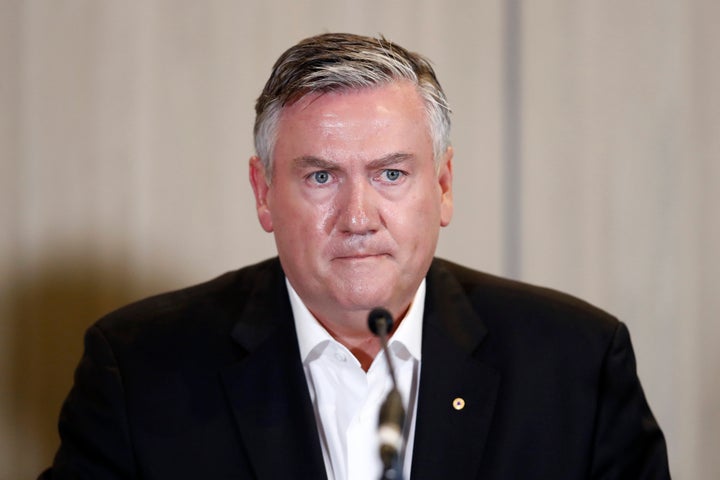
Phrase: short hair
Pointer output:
(335, 62)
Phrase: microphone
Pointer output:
(392, 412)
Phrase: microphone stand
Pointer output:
(392, 412)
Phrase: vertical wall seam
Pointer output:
(512, 133)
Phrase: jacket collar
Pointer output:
(267, 390)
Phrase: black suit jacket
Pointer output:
(207, 382)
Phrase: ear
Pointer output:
(261, 187)
(445, 179)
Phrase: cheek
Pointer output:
(426, 206)
(410, 226)
(418, 221)
(303, 220)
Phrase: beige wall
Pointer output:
(587, 159)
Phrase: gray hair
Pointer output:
(339, 61)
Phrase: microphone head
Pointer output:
(380, 321)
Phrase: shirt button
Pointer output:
(340, 357)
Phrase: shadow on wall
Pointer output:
(48, 315)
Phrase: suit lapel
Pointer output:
(268, 392)
(271, 404)
(450, 436)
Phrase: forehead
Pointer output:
(387, 110)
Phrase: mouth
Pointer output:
(360, 256)
(360, 249)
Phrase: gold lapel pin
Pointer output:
(458, 403)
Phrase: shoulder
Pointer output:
(566, 373)
(211, 306)
(524, 311)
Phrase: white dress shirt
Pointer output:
(347, 400)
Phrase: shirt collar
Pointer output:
(311, 334)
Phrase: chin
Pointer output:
(365, 297)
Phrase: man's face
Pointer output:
(355, 201)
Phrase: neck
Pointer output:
(362, 344)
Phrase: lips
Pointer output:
(359, 256)
(359, 248)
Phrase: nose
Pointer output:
(357, 209)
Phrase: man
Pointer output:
(270, 372)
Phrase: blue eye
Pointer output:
(393, 175)
(321, 177)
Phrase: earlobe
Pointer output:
(445, 180)
(261, 187)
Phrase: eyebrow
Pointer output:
(311, 161)
(391, 159)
